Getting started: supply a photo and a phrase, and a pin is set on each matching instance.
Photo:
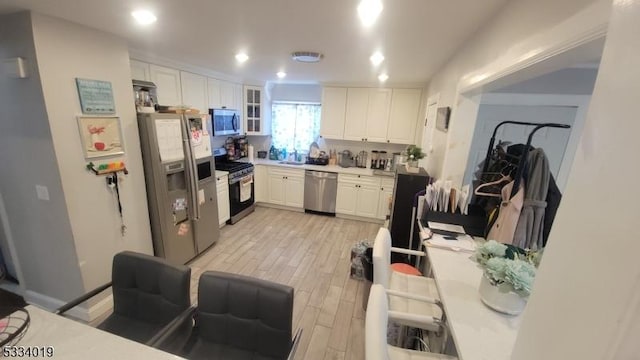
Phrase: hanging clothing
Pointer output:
(504, 227)
(553, 202)
(529, 231)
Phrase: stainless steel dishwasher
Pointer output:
(320, 191)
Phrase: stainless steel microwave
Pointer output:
(225, 121)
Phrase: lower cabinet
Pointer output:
(358, 195)
(261, 181)
(386, 196)
(222, 187)
(286, 187)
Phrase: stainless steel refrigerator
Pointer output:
(181, 184)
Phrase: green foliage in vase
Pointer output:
(508, 267)
(414, 152)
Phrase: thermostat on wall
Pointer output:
(15, 67)
(442, 118)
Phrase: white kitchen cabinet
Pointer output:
(139, 70)
(276, 189)
(257, 111)
(224, 94)
(355, 127)
(378, 115)
(405, 109)
(168, 86)
(358, 195)
(334, 103)
(194, 91)
(261, 183)
(294, 191)
(286, 187)
(227, 95)
(213, 93)
(224, 210)
(386, 194)
(367, 204)
(347, 197)
(367, 114)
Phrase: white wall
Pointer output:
(39, 231)
(586, 300)
(296, 92)
(520, 32)
(67, 51)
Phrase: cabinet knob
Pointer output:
(358, 175)
(388, 141)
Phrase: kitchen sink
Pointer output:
(290, 163)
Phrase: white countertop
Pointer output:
(74, 340)
(327, 168)
(221, 173)
(478, 332)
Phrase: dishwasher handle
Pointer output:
(321, 174)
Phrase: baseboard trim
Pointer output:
(360, 218)
(78, 312)
(280, 207)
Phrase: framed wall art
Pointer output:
(101, 136)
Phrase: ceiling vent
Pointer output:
(307, 56)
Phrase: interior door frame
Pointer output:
(581, 102)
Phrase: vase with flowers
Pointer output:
(508, 275)
(414, 153)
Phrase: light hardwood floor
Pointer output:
(311, 253)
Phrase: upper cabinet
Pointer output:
(224, 94)
(367, 114)
(370, 114)
(194, 91)
(378, 115)
(356, 114)
(334, 103)
(177, 87)
(257, 111)
(168, 85)
(139, 70)
(405, 109)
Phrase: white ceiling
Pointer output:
(416, 36)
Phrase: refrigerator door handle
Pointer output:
(192, 169)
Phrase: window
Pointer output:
(294, 126)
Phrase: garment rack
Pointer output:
(522, 161)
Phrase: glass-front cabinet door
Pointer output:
(256, 120)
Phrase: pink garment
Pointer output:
(504, 228)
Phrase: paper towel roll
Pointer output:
(250, 153)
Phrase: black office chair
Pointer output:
(240, 317)
(148, 293)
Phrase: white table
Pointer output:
(479, 333)
(74, 340)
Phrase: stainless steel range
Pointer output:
(241, 187)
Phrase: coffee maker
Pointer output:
(379, 159)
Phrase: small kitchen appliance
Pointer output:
(225, 121)
(145, 96)
(361, 159)
(346, 159)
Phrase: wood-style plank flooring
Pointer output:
(311, 253)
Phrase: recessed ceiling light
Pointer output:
(368, 11)
(281, 74)
(377, 58)
(144, 17)
(383, 77)
(242, 57)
